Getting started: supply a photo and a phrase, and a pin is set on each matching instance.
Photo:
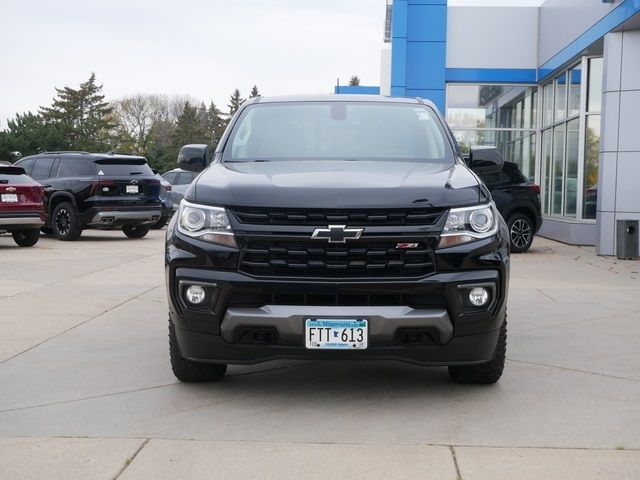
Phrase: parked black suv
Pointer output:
(338, 227)
(518, 201)
(96, 190)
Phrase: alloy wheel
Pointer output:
(520, 233)
(63, 221)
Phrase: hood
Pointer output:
(336, 184)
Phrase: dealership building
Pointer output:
(556, 87)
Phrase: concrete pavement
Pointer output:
(87, 391)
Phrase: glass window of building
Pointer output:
(560, 103)
(501, 115)
(571, 141)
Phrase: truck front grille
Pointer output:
(290, 258)
(316, 217)
(377, 299)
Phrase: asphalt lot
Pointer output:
(87, 391)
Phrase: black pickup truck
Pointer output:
(338, 227)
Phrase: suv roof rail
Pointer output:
(81, 152)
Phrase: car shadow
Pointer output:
(320, 383)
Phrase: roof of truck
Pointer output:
(339, 98)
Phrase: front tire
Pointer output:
(135, 231)
(488, 372)
(521, 231)
(65, 222)
(189, 371)
(26, 238)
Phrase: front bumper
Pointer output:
(442, 330)
(463, 350)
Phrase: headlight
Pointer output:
(469, 223)
(209, 224)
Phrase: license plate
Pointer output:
(336, 334)
(132, 189)
(9, 197)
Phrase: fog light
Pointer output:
(195, 294)
(478, 296)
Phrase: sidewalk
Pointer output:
(71, 458)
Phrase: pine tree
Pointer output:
(82, 115)
(28, 134)
(254, 92)
(234, 102)
(190, 128)
(216, 123)
(354, 81)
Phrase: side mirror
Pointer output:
(193, 158)
(485, 160)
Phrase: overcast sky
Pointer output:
(200, 48)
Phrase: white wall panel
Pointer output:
(492, 37)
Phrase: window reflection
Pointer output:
(591, 165)
(594, 97)
(560, 98)
(546, 163)
(575, 80)
(548, 104)
(557, 169)
(490, 106)
(501, 115)
(571, 181)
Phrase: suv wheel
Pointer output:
(488, 372)
(65, 223)
(520, 232)
(188, 370)
(26, 238)
(135, 231)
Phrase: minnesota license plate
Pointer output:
(9, 197)
(132, 189)
(336, 333)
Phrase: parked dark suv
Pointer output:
(338, 227)
(96, 190)
(518, 201)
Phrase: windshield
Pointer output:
(337, 131)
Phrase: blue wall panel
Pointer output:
(418, 55)
(425, 65)
(425, 23)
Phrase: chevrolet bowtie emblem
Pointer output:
(337, 233)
